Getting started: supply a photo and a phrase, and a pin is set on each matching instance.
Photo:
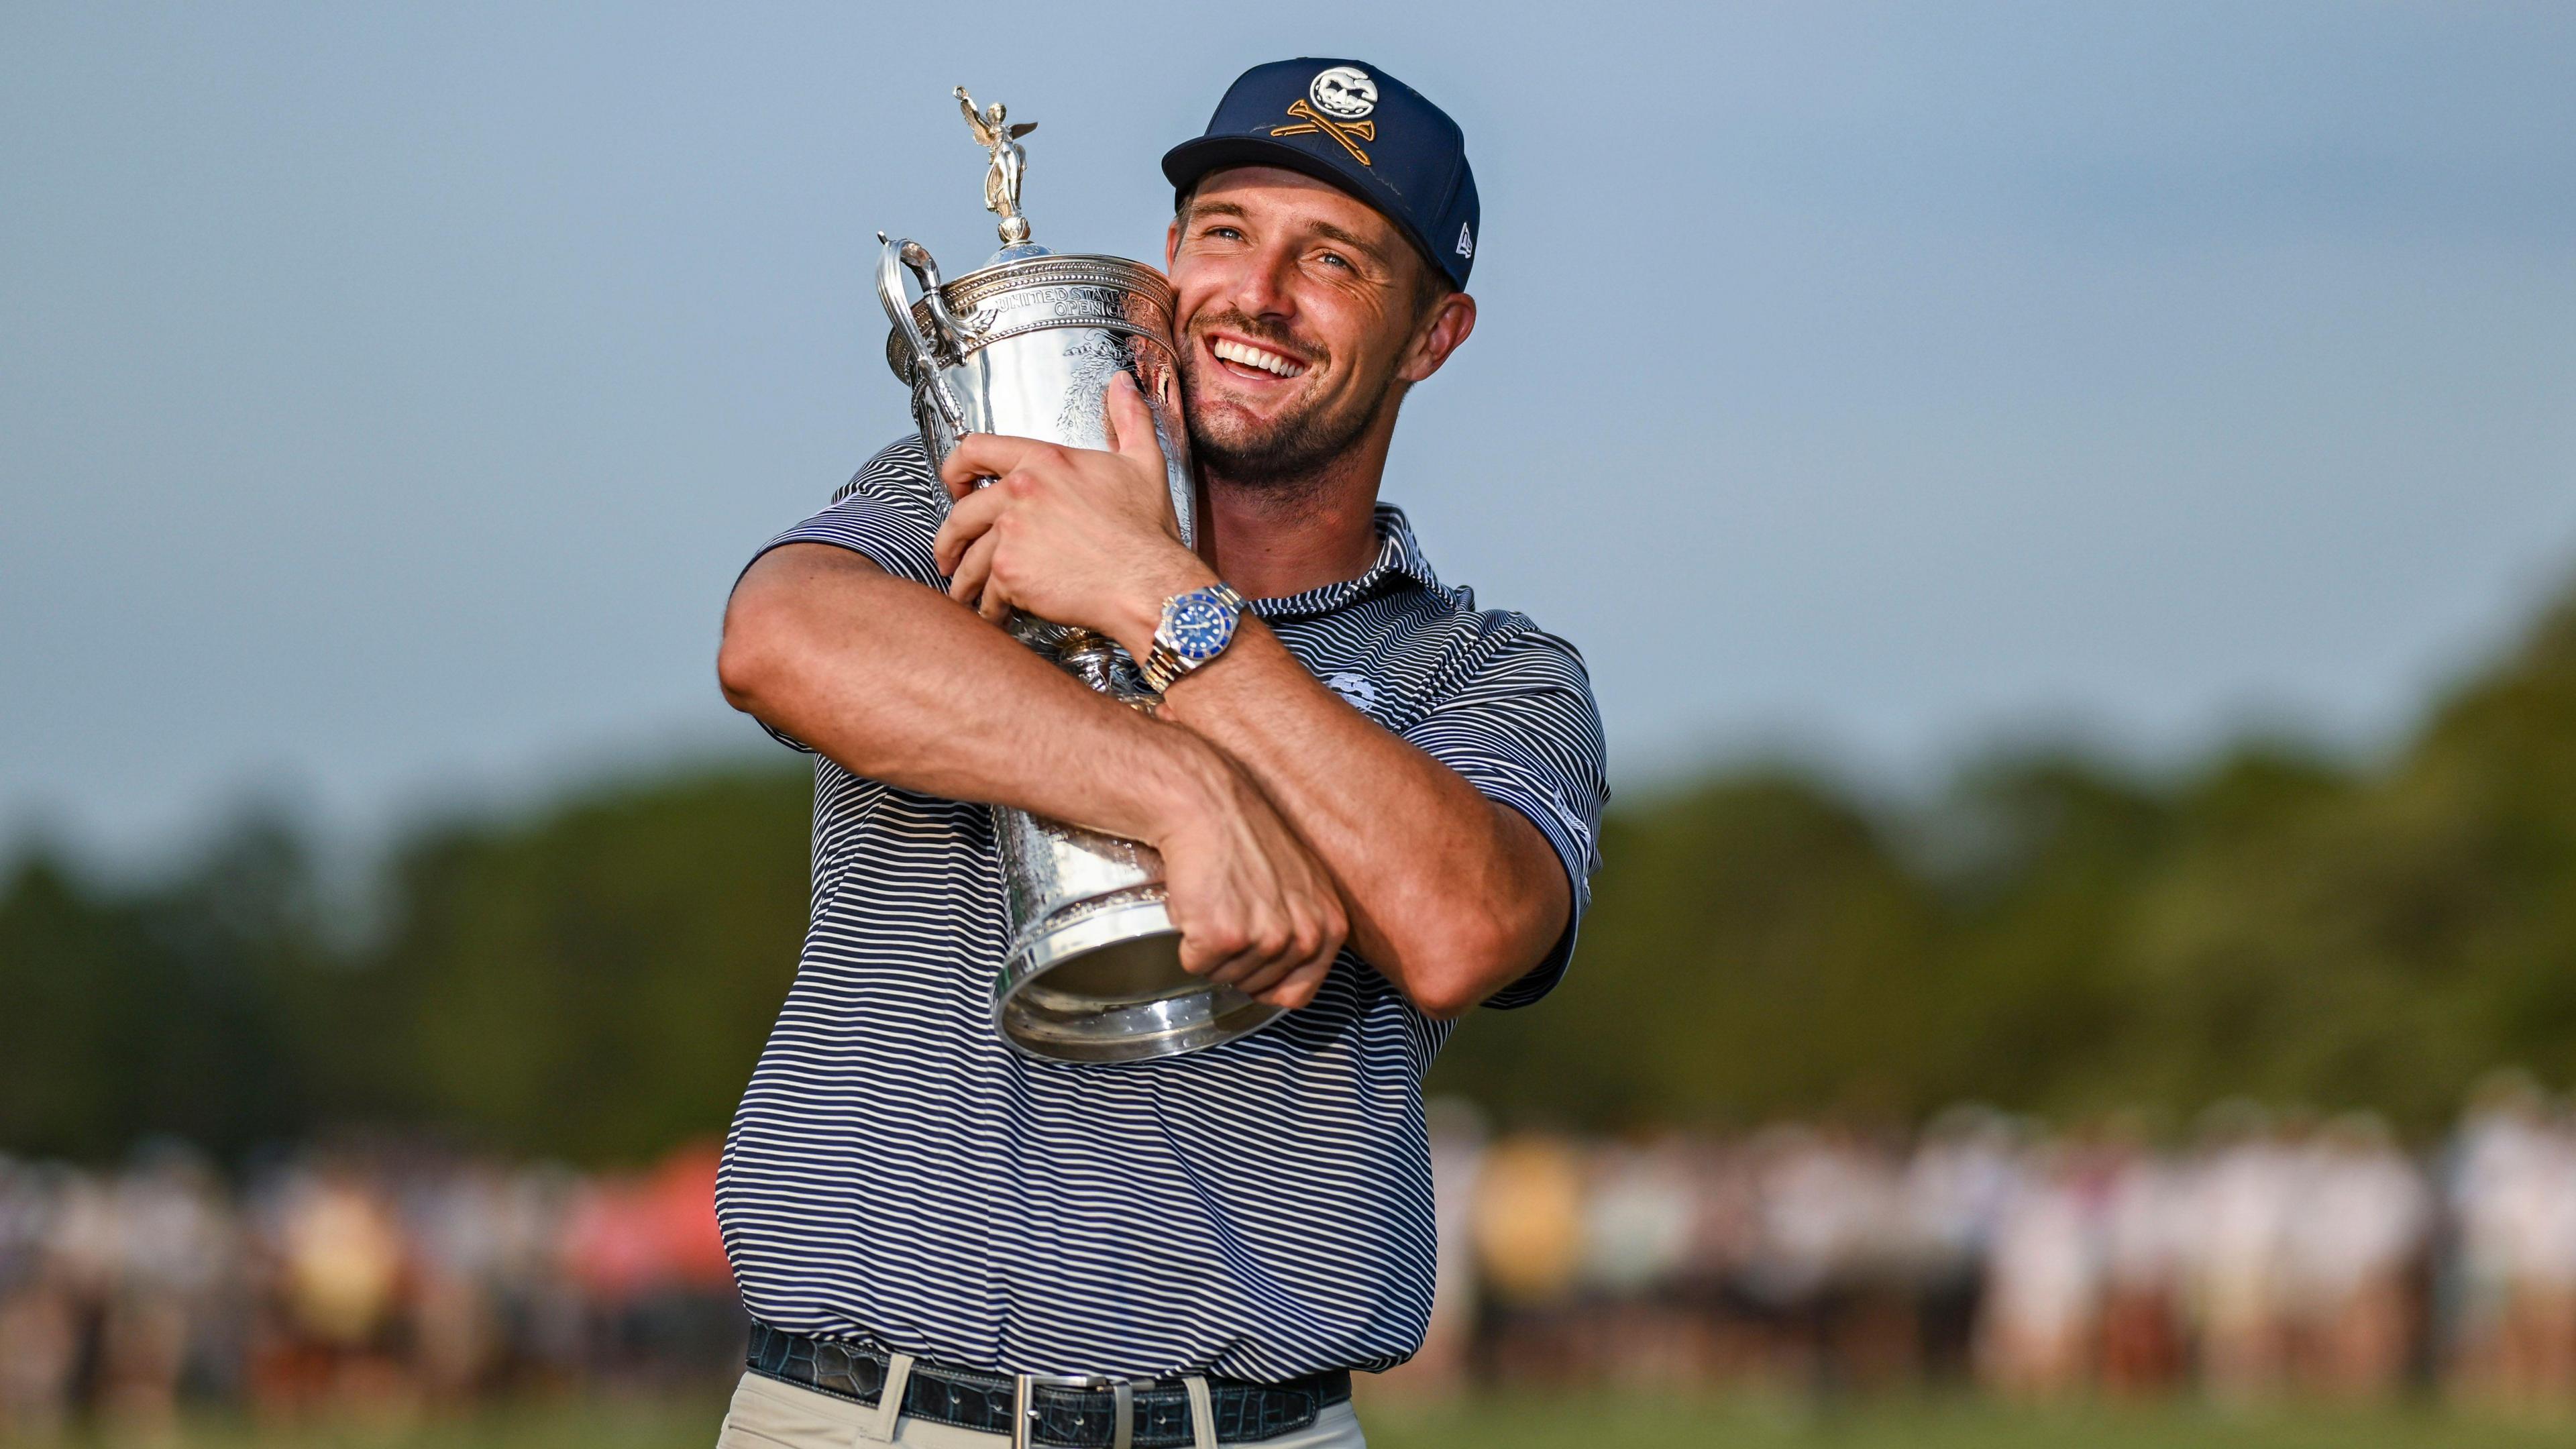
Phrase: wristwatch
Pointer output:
(1196, 627)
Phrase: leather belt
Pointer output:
(1070, 1410)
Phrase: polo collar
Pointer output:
(1399, 562)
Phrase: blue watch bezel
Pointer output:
(1198, 625)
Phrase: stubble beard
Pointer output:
(1289, 456)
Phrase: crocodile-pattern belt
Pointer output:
(1070, 1411)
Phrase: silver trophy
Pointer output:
(1023, 346)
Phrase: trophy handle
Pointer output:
(929, 352)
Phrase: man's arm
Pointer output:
(1451, 896)
(895, 683)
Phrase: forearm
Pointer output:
(896, 683)
(1451, 896)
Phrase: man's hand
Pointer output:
(1254, 907)
(1073, 535)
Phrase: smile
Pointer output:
(1244, 354)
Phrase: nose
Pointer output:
(1262, 289)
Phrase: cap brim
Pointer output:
(1189, 161)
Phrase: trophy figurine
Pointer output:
(1023, 346)
(1010, 163)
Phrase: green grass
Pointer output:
(1528, 1421)
(1742, 1422)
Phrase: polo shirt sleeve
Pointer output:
(888, 513)
(1521, 726)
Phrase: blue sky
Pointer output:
(388, 394)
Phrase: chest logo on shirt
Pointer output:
(1354, 688)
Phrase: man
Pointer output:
(1376, 806)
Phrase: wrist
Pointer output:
(1190, 779)
(1142, 611)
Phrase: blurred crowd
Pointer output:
(384, 1280)
(2262, 1256)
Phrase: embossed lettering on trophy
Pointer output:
(1023, 346)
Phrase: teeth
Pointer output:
(1259, 357)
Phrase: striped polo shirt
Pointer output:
(1257, 1210)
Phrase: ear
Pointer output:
(1171, 245)
(1452, 318)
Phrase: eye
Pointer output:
(1224, 233)
(1336, 259)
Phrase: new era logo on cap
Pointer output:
(1362, 130)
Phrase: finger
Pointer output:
(973, 573)
(1309, 965)
(997, 601)
(1312, 952)
(1294, 994)
(1299, 988)
(986, 455)
(1232, 968)
(1298, 947)
(1224, 954)
(1335, 934)
(1131, 423)
(1203, 951)
(968, 521)
(1269, 976)
(1260, 961)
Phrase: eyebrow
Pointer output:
(1330, 232)
(1324, 229)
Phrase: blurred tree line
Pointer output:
(2056, 935)
(594, 982)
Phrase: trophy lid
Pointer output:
(1022, 288)
(1009, 164)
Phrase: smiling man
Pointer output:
(1375, 802)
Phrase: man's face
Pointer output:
(1298, 307)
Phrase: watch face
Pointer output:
(1197, 627)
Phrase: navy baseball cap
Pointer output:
(1357, 127)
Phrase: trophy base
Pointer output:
(1106, 985)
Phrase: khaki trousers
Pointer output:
(767, 1414)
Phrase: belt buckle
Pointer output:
(1024, 1404)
